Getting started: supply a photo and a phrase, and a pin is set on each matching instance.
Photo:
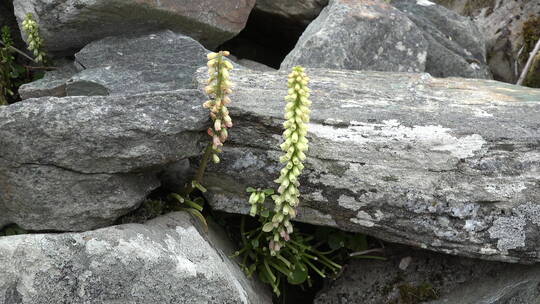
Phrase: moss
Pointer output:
(531, 34)
(12, 229)
(533, 77)
(148, 210)
(416, 294)
(472, 6)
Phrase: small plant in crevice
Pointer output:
(293, 263)
(274, 251)
(16, 67)
(7, 66)
(218, 88)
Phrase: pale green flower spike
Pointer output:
(295, 146)
(35, 42)
(219, 86)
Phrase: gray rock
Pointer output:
(456, 46)
(254, 65)
(69, 25)
(167, 260)
(77, 163)
(423, 277)
(360, 35)
(53, 83)
(501, 22)
(130, 64)
(302, 12)
(451, 165)
(41, 197)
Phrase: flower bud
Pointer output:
(217, 124)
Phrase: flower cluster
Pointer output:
(295, 146)
(35, 42)
(218, 88)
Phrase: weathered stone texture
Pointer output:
(360, 35)
(451, 165)
(168, 260)
(69, 25)
(426, 277)
(78, 163)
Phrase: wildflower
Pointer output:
(295, 145)
(219, 86)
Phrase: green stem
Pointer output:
(200, 171)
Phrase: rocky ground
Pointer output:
(412, 142)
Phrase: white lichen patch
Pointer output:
(400, 46)
(421, 57)
(94, 246)
(488, 251)
(349, 202)
(364, 219)
(481, 113)
(424, 2)
(506, 190)
(430, 137)
(509, 232)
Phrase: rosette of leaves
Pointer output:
(296, 260)
(34, 40)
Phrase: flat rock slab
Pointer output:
(166, 260)
(78, 163)
(69, 25)
(415, 276)
(127, 64)
(451, 165)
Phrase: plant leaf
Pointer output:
(198, 215)
(298, 276)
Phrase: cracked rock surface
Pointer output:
(78, 163)
(166, 260)
(427, 277)
(451, 165)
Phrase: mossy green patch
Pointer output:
(415, 294)
(531, 34)
(472, 6)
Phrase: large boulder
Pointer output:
(456, 45)
(451, 165)
(128, 64)
(69, 25)
(504, 24)
(78, 163)
(360, 35)
(418, 36)
(415, 276)
(167, 260)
